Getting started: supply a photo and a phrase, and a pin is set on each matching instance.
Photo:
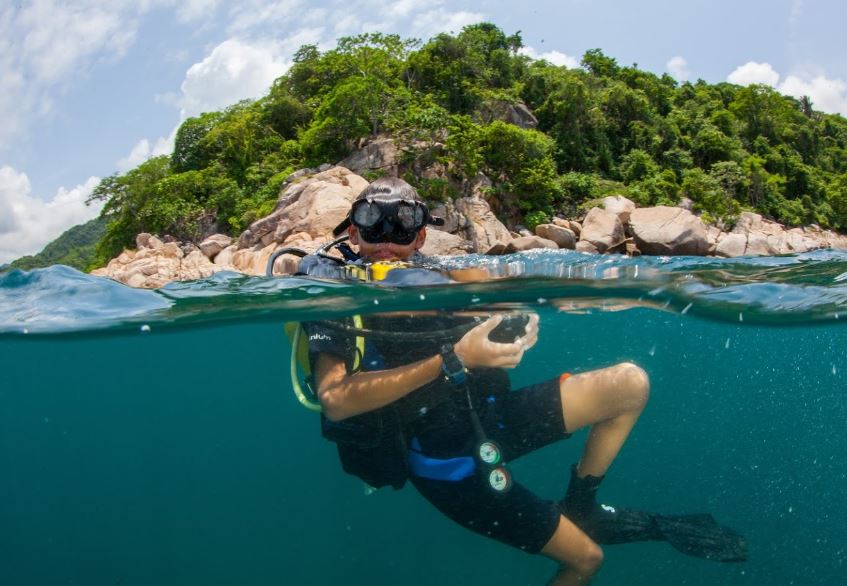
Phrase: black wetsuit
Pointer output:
(436, 430)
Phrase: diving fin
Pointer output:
(701, 536)
(696, 535)
(610, 525)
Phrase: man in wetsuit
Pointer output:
(427, 384)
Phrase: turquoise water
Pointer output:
(152, 437)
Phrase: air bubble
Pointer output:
(422, 296)
(741, 317)
(145, 328)
(376, 301)
(686, 308)
(727, 344)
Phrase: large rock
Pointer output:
(440, 243)
(755, 236)
(664, 230)
(378, 155)
(253, 261)
(155, 264)
(618, 204)
(482, 228)
(529, 243)
(517, 113)
(315, 204)
(215, 243)
(563, 237)
(603, 230)
(224, 257)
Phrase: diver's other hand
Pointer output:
(476, 349)
(531, 336)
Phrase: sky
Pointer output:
(91, 88)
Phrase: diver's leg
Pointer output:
(578, 556)
(610, 400)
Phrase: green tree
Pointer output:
(763, 111)
(283, 112)
(190, 152)
(125, 196)
(637, 165)
(464, 146)
(521, 161)
(837, 191)
(457, 70)
(240, 139)
(569, 115)
(597, 63)
(712, 193)
(355, 109)
(710, 146)
(370, 56)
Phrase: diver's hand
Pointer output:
(476, 349)
(531, 336)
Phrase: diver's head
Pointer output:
(387, 220)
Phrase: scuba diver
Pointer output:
(434, 407)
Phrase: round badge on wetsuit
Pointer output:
(489, 452)
(499, 479)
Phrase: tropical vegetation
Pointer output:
(602, 128)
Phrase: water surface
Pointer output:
(152, 437)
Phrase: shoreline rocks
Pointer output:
(313, 202)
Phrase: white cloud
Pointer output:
(827, 95)
(554, 57)
(28, 223)
(46, 45)
(143, 151)
(439, 20)
(139, 153)
(752, 73)
(250, 15)
(59, 37)
(678, 67)
(405, 8)
(233, 71)
(193, 10)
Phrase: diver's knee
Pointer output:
(637, 384)
(589, 561)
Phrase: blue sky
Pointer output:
(90, 88)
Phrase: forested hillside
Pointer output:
(601, 128)
(75, 248)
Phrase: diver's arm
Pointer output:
(344, 395)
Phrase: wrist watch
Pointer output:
(452, 366)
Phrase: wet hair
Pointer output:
(389, 188)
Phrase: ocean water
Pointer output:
(152, 437)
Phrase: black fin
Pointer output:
(702, 536)
(610, 525)
(696, 535)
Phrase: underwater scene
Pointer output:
(154, 437)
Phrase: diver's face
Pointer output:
(388, 251)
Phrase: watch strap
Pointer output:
(452, 366)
